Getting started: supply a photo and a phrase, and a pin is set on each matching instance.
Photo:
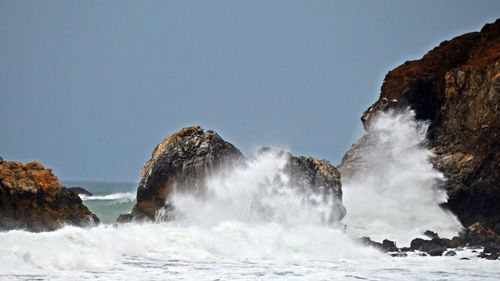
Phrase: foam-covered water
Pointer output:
(250, 224)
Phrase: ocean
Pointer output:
(249, 229)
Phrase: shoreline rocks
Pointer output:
(32, 199)
(456, 88)
(476, 236)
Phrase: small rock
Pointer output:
(80, 190)
(398, 255)
(431, 234)
(491, 249)
(436, 252)
(389, 246)
(492, 257)
(464, 258)
(450, 253)
(124, 218)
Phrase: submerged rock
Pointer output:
(79, 190)
(31, 198)
(456, 88)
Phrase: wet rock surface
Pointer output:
(456, 88)
(182, 161)
(31, 198)
(480, 238)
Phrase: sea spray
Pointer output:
(261, 191)
(395, 192)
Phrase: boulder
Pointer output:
(80, 190)
(318, 176)
(32, 199)
(450, 253)
(436, 252)
(455, 88)
(431, 234)
(181, 162)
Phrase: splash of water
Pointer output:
(397, 194)
(261, 191)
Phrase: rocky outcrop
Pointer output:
(315, 175)
(31, 198)
(456, 88)
(182, 161)
(80, 190)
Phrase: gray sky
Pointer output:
(90, 87)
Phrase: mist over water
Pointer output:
(397, 194)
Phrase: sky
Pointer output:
(90, 87)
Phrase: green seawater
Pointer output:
(109, 200)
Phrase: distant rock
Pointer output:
(1, 159)
(183, 160)
(456, 88)
(31, 198)
(80, 190)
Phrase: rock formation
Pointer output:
(182, 160)
(80, 190)
(455, 87)
(31, 198)
(318, 175)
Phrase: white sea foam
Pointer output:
(398, 196)
(124, 196)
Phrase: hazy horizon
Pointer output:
(89, 88)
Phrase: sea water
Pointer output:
(249, 226)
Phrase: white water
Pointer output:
(398, 196)
(123, 196)
(252, 225)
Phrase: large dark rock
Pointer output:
(31, 198)
(182, 161)
(456, 88)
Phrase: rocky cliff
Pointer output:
(31, 198)
(183, 161)
(456, 88)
